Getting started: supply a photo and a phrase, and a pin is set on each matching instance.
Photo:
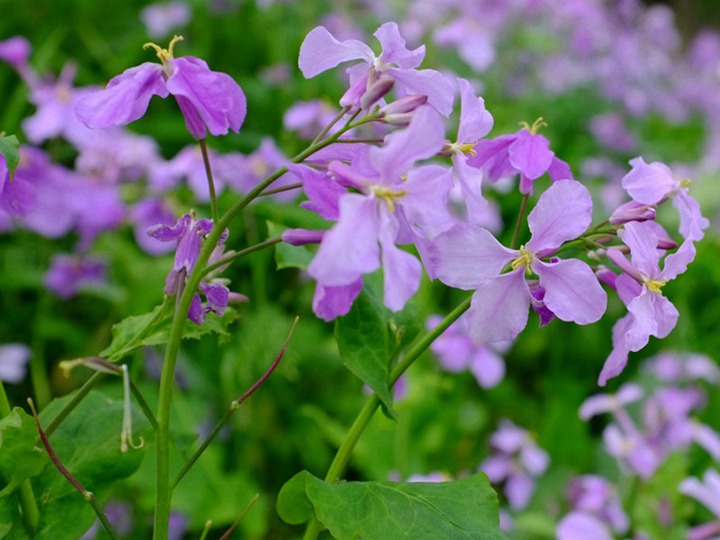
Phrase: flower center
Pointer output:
(165, 55)
(524, 259)
(655, 285)
(536, 125)
(390, 196)
(685, 183)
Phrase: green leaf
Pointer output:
(287, 256)
(366, 344)
(88, 445)
(463, 509)
(20, 458)
(11, 523)
(293, 505)
(9, 150)
(154, 329)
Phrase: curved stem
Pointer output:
(163, 486)
(242, 253)
(521, 215)
(342, 456)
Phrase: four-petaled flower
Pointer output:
(209, 100)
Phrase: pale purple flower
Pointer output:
(526, 153)
(639, 287)
(470, 257)
(582, 526)
(706, 492)
(162, 18)
(457, 352)
(14, 358)
(671, 367)
(594, 495)
(387, 209)
(320, 51)
(653, 183)
(189, 234)
(475, 123)
(209, 100)
(516, 461)
(611, 132)
(15, 51)
(145, 214)
(68, 274)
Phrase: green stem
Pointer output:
(211, 183)
(30, 513)
(521, 214)
(342, 457)
(234, 406)
(334, 121)
(163, 486)
(281, 189)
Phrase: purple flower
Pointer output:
(469, 257)
(653, 183)
(209, 100)
(69, 273)
(640, 289)
(457, 351)
(391, 206)
(526, 153)
(517, 461)
(594, 495)
(189, 233)
(672, 367)
(13, 362)
(706, 492)
(144, 215)
(161, 19)
(320, 51)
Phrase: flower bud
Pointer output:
(376, 90)
(632, 211)
(300, 237)
(405, 104)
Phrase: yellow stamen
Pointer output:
(685, 183)
(524, 259)
(390, 196)
(468, 149)
(655, 285)
(164, 54)
(537, 124)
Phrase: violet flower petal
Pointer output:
(320, 51)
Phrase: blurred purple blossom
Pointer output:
(516, 461)
(162, 18)
(13, 362)
(68, 274)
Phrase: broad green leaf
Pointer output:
(20, 457)
(462, 509)
(11, 523)
(366, 344)
(9, 150)
(88, 445)
(154, 329)
(287, 256)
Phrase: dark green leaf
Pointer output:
(88, 445)
(463, 509)
(9, 150)
(366, 344)
(20, 458)
(11, 524)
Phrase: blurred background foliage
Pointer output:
(301, 414)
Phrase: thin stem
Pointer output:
(240, 517)
(83, 391)
(283, 189)
(230, 258)
(144, 406)
(334, 121)
(163, 486)
(235, 405)
(211, 183)
(89, 496)
(521, 215)
(355, 141)
(30, 512)
(342, 456)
